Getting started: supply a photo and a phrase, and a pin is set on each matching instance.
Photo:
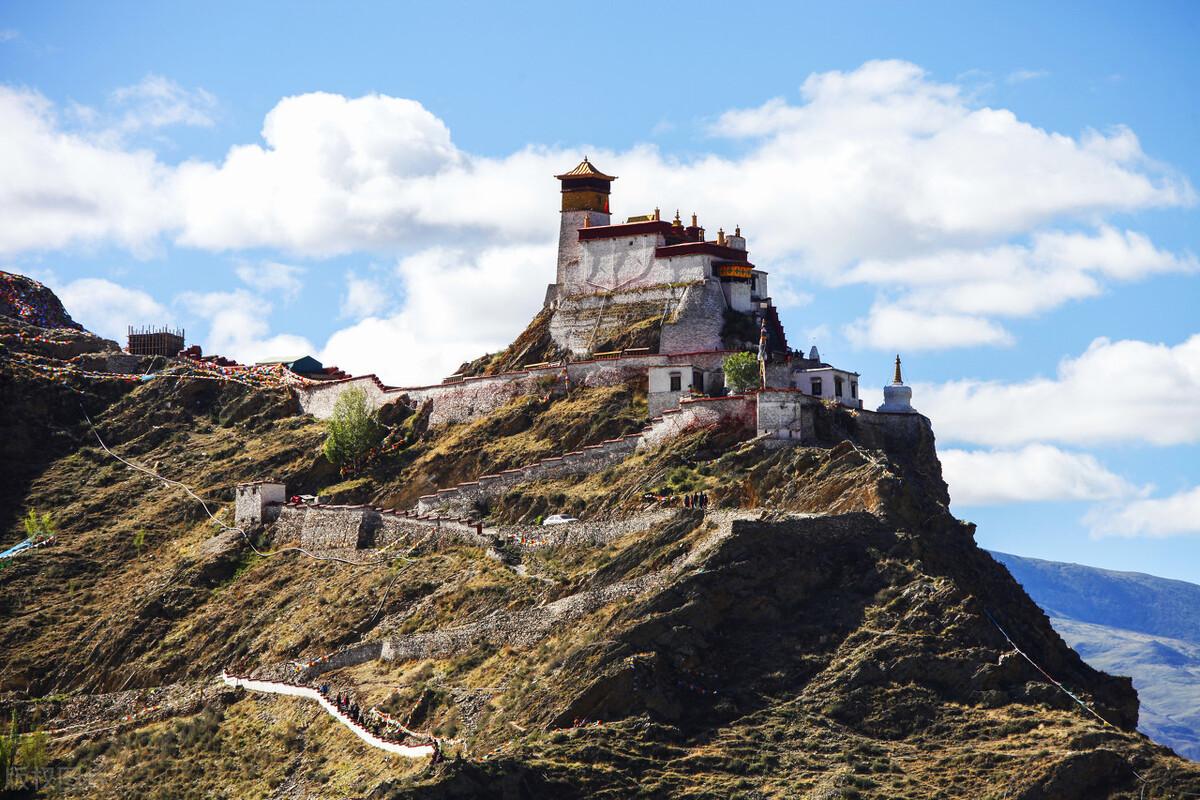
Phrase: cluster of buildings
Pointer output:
(699, 293)
(702, 283)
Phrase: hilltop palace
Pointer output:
(683, 301)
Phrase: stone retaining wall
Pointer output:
(469, 398)
(339, 527)
(697, 321)
(462, 499)
(736, 411)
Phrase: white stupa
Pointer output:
(897, 398)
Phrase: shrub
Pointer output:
(353, 430)
(741, 372)
(38, 526)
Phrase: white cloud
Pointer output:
(107, 308)
(893, 327)
(239, 328)
(1175, 515)
(364, 297)
(335, 174)
(272, 276)
(59, 189)
(1116, 391)
(880, 162)
(458, 306)
(880, 170)
(1034, 473)
(945, 298)
(1022, 75)
(8, 34)
(158, 102)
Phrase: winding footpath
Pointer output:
(292, 690)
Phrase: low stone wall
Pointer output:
(735, 411)
(462, 499)
(397, 528)
(339, 527)
(469, 398)
(585, 533)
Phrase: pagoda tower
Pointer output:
(585, 191)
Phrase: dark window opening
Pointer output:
(698, 380)
(837, 387)
(816, 387)
(676, 382)
(854, 389)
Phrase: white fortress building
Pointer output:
(644, 297)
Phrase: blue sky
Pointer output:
(1004, 194)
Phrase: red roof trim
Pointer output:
(625, 229)
(705, 248)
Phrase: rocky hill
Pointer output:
(1131, 624)
(823, 628)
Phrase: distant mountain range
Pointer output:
(1132, 624)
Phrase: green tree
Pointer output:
(741, 372)
(38, 526)
(139, 539)
(353, 430)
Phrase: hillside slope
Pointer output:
(1131, 624)
(824, 629)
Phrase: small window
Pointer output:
(816, 387)
(698, 380)
(676, 382)
(837, 386)
(854, 389)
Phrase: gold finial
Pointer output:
(694, 223)
(678, 222)
(587, 220)
(657, 215)
(720, 236)
(737, 231)
(897, 379)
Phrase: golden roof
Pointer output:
(586, 170)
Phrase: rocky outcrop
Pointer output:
(29, 301)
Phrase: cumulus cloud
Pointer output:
(871, 173)
(1034, 473)
(333, 174)
(1175, 515)
(272, 276)
(459, 305)
(107, 308)
(946, 299)
(239, 328)
(871, 163)
(59, 189)
(1115, 391)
